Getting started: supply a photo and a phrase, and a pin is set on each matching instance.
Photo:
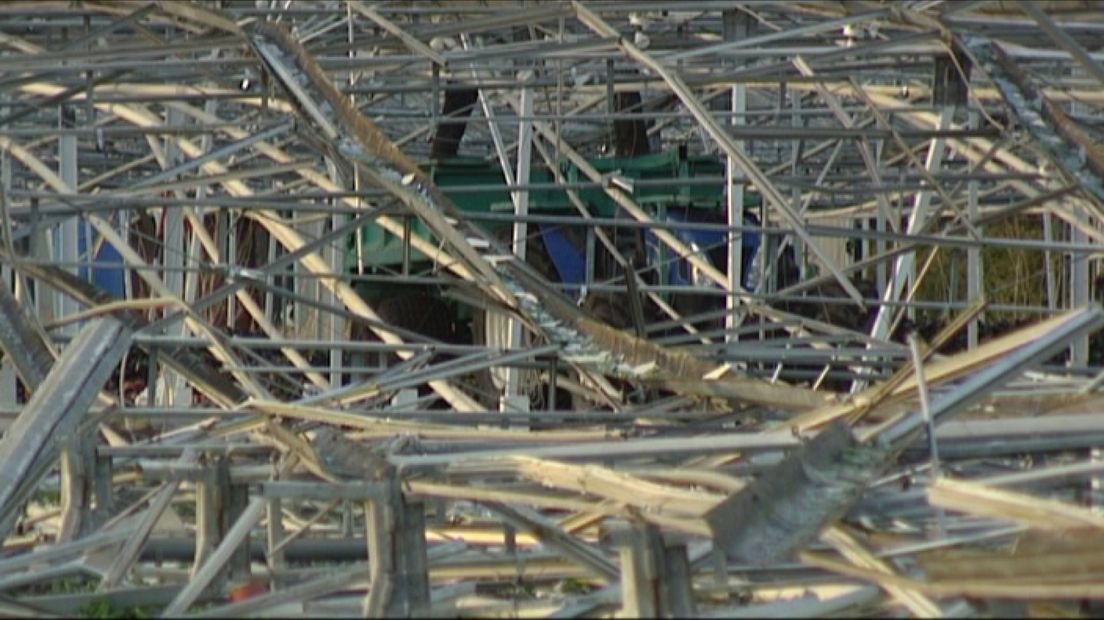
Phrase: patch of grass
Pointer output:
(521, 589)
(185, 510)
(65, 585)
(573, 586)
(1010, 276)
(102, 608)
(47, 497)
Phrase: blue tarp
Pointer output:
(709, 241)
(110, 276)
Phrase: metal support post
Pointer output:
(30, 446)
(40, 244)
(1051, 280)
(513, 399)
(76, 488)
(8, 283)
(102, 471)
(230, 258)
(334, 255)
(1079, 280)
(172, 261)
(397, 560)
(591, 248)
(238, 500)
(67, 248)
(274, 534)
(655, 572)
(23, 347)
(213, 515)
(1080, 269)
(611, 104)
(1079, 294)
(905, 265)
(735, 25)
(236, 537)
(881, 221)
(152, 355)
(798, 147)
(8, 381)
(975, 286)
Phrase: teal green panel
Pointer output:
(458, 176)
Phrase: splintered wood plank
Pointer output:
(920, 605)
(620, 487)
(935, 373)
(1076, 586)
(1032, 556)
(1037, 512)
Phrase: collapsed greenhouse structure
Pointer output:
(541, 308)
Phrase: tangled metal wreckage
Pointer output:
(551, 308)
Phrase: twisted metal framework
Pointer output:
(905, 201)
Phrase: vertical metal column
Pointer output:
(75, 471)
(211, 494)
(881, 275)
(306, 316)
(334, 327)
(67, 249)
(656, 579)
(8, 378)
(975, 286)
(172, 263)
(797, 120)
(396, 555)
(1079, 261)
(919, 216)
(512, 399)
(1051, 284)
(231, 258)
(338, 325)
(1079, 293)
(274, 535)
(735, 25)
(1079, 297)
(6, 274)
(173, 258)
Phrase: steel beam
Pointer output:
(736, 27)
(20, 338)
(55, 410)
(755, 175)
(918, 217)
(513, 399)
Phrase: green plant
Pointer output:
(1010, 276)
(98, 608)
(47, 497)
(103, 608)
(521, 589)
(572, 586)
